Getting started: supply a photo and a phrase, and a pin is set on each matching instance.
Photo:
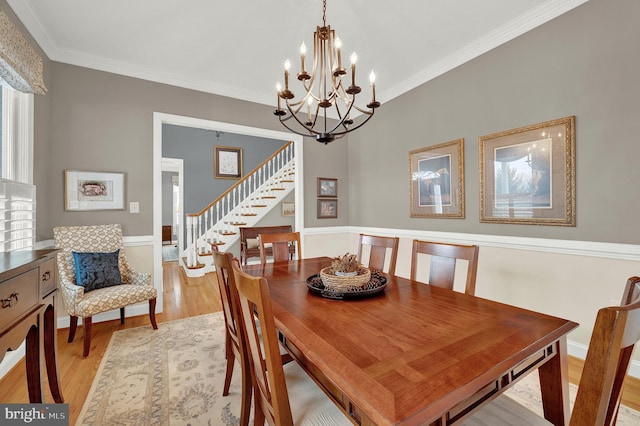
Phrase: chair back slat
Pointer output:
(615, 333)
(228, 293)
(280, 246)
(272, 400)
(379, 247)
(443, 263)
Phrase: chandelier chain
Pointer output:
(324, 13)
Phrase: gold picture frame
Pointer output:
(527, 175)
(436, 181)
(227, 162)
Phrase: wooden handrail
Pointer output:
(240, 182)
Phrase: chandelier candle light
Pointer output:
(323, 91)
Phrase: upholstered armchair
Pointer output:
(101, 279)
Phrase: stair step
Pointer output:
(197, 266)
(227, 233)
(287, 181)
(219, 243)
(270, 197)
(249, 214)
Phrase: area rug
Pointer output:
(174, 376)
(170, 376)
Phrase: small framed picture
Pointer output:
(93, 191)
(327, 187)
(227, 162)
(288, 208)
(327, 209)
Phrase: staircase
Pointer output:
(244, 204)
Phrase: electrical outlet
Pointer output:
(614, 302)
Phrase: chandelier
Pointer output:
(324, 91)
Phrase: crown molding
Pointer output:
(545, 12)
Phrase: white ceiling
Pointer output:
(237, 48)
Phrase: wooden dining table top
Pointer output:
(412, 353)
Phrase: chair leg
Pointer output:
(229, 373)
(247, 389)
(73, 324)
(152, 313)
(86, 327)
(122, 315)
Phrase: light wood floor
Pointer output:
(183, 297)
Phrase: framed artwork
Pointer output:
(527, 175)
(327, 187)
(436, 181)
(227, 162)
(288, 208)
(93, 191)
(327, 209)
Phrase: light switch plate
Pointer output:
(134, 207)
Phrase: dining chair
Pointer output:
(443, 263)
(378, 253)
(616, 331)
(283, 395)
(279, 244)
(233, 349)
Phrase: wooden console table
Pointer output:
(28, 308)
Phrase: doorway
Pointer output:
(161, 118)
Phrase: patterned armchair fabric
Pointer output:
(97, 238)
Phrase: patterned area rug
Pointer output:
(170, 376)
(174, 376)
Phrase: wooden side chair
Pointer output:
(616, 331)
(95, 276)
(377, 256)
(443, 263)
(233, 330)
(283, 395)
(279, 244)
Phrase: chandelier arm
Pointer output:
(311, 131)
(351, 129)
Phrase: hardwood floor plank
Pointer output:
(182, 297)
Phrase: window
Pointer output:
(17, 192)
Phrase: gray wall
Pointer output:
(103, 122)
(583, 63)
(195, 147)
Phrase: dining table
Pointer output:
(411, 353)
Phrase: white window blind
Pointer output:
(17, 215)
(17, 194)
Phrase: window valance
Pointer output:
(20, 64)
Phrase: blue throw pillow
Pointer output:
(97, 270)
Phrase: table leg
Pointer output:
(50, 351)
(554, 385)
(33, 356)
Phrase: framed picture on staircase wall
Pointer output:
(227, 162)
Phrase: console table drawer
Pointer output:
(18, 295)
(48, 277)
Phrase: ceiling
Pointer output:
(237, 48)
